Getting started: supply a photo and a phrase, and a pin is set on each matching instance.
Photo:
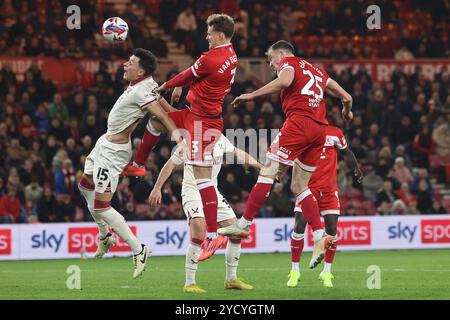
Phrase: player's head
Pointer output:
(141, 63)
(278, 51)
(220, 29)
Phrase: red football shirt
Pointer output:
(324, 178)
(305, 94)
(214, 72)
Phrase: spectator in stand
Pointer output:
(424, 198)
(401, 172)
(280, 202)
(65, 209)
(386, 194)
(47, 206)
(372, 183)
(423, 146)
(441, 136)
(65, 181)
(405, 194)
(186, 26)
(10, 206)
(437, 208)
(58, 106)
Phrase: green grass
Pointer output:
(418, 274)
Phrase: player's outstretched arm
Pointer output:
(337, 91)
(284, 80)
(166, 106)
(245, 158)
(155, 196)
(353, 163)
(156, 110)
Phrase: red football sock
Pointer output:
(258, 196)
(329, 254)
(296, 249)
(149, 140)
(209, 200)
(310, 209)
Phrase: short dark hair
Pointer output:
(147, 60)
(283, 45)
(221, 23)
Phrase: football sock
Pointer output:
(310, 209)
(232, 255)
(297, 244)
(117, 222)
(327, 267)
(192, 254)
(258, 196)
(329, 254)
(209, 200)
(89, 197)
(149, 140)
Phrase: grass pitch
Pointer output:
(417, 274)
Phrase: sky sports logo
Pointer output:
(5, 241)
(435, 231)
(87, 239)
(351, 233)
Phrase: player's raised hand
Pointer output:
(154, 199)
(242, 98)
(347, 114)
(176, 95)
(162, 88)
(359, 175)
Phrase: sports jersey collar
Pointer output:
(132, 83)
(223, 45)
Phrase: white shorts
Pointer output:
(194, 209)
(105, 163)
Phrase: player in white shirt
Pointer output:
(112, 152)
(193, 208)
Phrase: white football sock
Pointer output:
(318, 234)
(192, 254)
(232, 255)
(89, 197)
(327, 267)
(244, 223)
(117, 222)
(295, 266)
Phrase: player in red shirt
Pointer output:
(323, 185)
(210, 79)
(300, 140)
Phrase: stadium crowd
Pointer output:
(45, 136)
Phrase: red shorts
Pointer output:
(201, 134)
(328, 202)
(301, 139)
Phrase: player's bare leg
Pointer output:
(232, 256)
(205, 186)
(310, 209)
(197, 228)
(258, 196)
(150, 138)
(103, 209)
(331, 221)
(297, 244)
(107, 240)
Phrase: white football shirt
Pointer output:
(129, 107)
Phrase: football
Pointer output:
(115, 29)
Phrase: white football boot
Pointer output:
(140, 261)
(104, 245)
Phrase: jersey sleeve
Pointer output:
(147, 95)
(341, 142)
(284, 64)
(202, 66)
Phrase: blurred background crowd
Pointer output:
(400, 133)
